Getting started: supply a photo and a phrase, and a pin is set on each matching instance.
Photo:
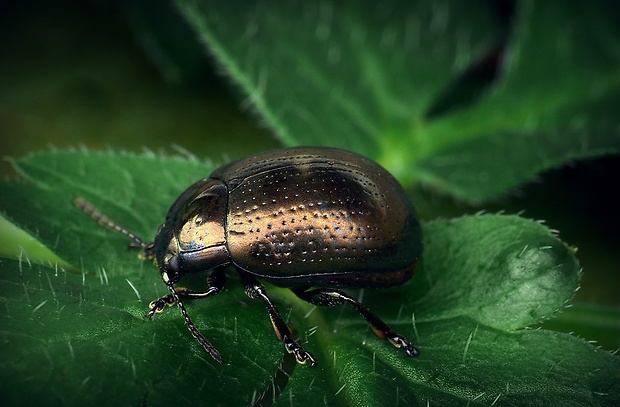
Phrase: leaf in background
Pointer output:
(76, 337)
(349, 73)
(589, 320)
(367, 76)
(556, 102)
(166, 38)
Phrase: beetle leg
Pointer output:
(324, 297)
(255, 289)
(206, 345)
(158, 305)
(215, 284)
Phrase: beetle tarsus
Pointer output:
(301, 355)
(402, 343)
(254, 289)
(159, 305)
(327, 297)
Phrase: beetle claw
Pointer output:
(151, 312)
(302, 357)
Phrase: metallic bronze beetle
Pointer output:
(296, 217)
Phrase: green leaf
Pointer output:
(537, 273)
(81, 339)
(384, 79)
(468, 364)
(589, 321)
(77, 336)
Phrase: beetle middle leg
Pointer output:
(255, 289)
(325, 297)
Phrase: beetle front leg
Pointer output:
(254, 289)
(215, 284)
(324, 297)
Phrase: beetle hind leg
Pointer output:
(324, 297)
(255, 289)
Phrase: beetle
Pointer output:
(309, 219)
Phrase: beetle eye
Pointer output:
(174, 268)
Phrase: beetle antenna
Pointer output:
(190, 324)
(103, 220)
